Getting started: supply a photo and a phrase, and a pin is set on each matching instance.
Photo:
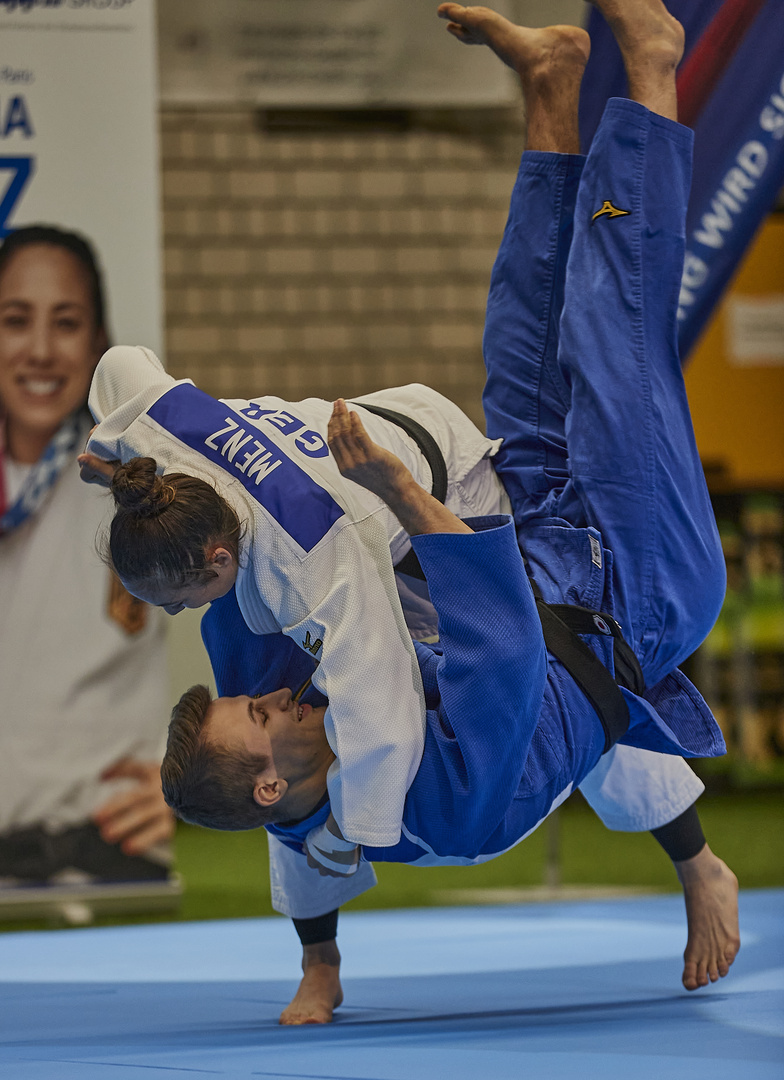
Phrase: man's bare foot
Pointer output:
(710, 890)
(320, 992)
(521, 48)
(651, 43)
(550, 62)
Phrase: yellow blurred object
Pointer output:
(735, 378)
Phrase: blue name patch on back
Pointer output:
(293, 498)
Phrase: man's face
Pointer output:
(49, 344)
(290, 734)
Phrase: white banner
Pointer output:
(78, 141)
(755, 330)
(323, 53)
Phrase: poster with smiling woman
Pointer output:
(83, 680)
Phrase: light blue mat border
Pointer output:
(578, 990)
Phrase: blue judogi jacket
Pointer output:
(509, 733)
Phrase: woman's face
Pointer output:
(49, 344)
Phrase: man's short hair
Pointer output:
(204, 783)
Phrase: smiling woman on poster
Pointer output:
(82, 666)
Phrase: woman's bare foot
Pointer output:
(710, 890)
(320, 992)
(550, 62)
(651, 43)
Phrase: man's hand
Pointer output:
(94, 470)
(360, 459)
(369, 465)
(136, 819)
(328, 852)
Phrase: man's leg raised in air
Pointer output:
(651, 42)
(524, 399)
(632, 453)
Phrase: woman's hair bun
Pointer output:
(139, 490)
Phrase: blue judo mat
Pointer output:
(579, 990)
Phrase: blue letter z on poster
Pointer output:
(20, 168)
(293, 498)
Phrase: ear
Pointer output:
(269, 790)
(220, 558)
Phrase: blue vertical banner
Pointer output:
(731, 91)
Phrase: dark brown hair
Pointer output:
(77, 245)
(165, 526)
(206, 784)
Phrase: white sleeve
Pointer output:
(375, 722)
(301, 892)
(635, 790)
(126, 382)
(123, 372)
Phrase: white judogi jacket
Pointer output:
(315, 561)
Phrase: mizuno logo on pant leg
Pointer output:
(610, 210)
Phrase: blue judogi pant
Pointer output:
(585, 387)
(584, 380)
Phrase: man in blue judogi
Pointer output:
(610, 511)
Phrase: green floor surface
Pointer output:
(225, 874)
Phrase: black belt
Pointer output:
(431, 452)
(561, 623)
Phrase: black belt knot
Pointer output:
(561, 624)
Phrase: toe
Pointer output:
(300, 1019)
(690, 975)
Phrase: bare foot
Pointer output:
(711, 893)
(644, 25)
(550, 62)
(320, 992)
(520, 47)
(651, 43)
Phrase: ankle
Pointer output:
(324, 952)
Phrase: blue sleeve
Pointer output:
(294, 834)
(248, 663)
(490, 684)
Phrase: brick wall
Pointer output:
(303, 264)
